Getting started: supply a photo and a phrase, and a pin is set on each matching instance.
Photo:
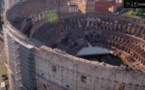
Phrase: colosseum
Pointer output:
(92, 51)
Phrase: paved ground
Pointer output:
(2, 59)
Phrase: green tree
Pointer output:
(52, 17)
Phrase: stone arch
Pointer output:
(122, 86)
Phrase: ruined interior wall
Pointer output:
(79, 74)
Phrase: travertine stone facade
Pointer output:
(69, 71)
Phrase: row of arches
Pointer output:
(126, 28)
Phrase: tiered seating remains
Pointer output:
(98, 31)
(121, 43)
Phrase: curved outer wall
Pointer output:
(42, 68)
(20, 60)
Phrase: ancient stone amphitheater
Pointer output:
(44, 56)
